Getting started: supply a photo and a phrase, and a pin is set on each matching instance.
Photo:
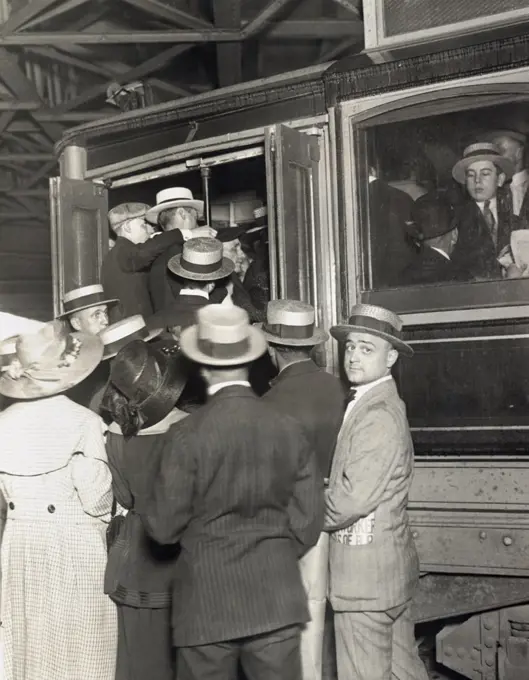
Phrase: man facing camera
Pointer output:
(373, 564)
(484, 225)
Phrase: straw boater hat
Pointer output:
(223, 336)
(125, 212)
(84, 298)
(482, 151)
(292, 323)
(49, 362)
(151, 379)
(376, 321)
(119, 334)
(175, 197)
(260, 220)
(201, 260)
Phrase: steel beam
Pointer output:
(264, 17)
(227, 14)
(175, 16)
(54, 12)
(287, 30)
(25, 157)
(25, 14)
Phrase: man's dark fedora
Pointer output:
(376, 321)
(151, 377)
(433, 217)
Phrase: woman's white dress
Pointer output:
(57, 622)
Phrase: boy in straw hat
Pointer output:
(484, 224)
(373, 564)
(124, 273)
(236, 484)
(175, 209)
(315, 399)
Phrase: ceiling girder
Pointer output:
(287, 30)
(171, 14)
(264, 17)
(227, 14)
(25, 14)
(54, 12)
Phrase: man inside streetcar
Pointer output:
(511, 144)
(433, 263)
(484, 224)
(175, 209)
(124, 272)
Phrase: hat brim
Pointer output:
(340, 333)
(225, 269)
(189, 346)
(460, 168)
(152, 214)
(89, 357)
(152, 334)
(317, 338)
(64, 315)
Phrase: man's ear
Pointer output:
(210, 286)
(501, 179)
(75, 323)
(393, 355)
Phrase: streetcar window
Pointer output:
(444, 199)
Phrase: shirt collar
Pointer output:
(361, 390)
(442, 252)
(492, 204)
(520, 178)
(195, 291)
(213, 389)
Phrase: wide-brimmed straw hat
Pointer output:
(124, 212)
(292, 323)
(376, 321)
(119, 334)
(49, 362)
(482, 151)
(201, 260)
(8, 350)
(174, 197)
(151, 379)
(223, 336)
(83, 298)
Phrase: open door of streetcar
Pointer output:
(299, 253)
(78, 225)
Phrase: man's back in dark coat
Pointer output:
(392, 226)
(430, 266)
(181, 312)
(164, 286)
(124, 273)
(315, 399)
(237, 484)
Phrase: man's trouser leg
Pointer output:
(377, 646)
(314, 569)
(272, 656)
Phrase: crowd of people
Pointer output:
(165, 520)
(458, 232)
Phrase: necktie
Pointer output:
(491, 222)
(350, 397)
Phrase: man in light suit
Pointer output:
(373, 564)
(236, 485)
(315, 399)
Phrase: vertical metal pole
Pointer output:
(205, 173)
(73, 162)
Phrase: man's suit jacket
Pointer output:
(475, 254)
(181, 312)
(236, 483)
(392, 227)
(164, 286)
(430, 267)
(373, 564)
(315, 399)
(124, 273)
